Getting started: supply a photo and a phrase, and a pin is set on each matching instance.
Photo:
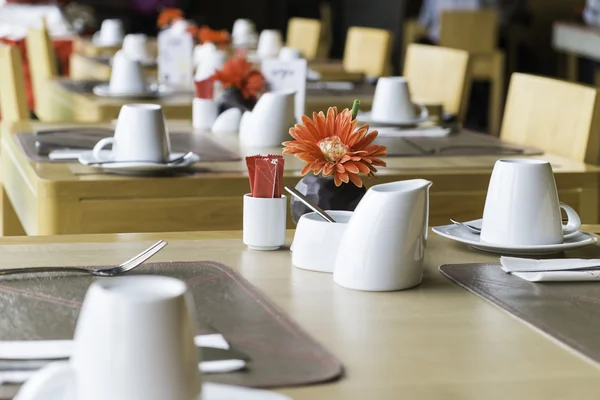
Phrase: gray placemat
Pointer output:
(80, 87)
(566, 311)
(358, 90)
(85, 139)
(46, 306)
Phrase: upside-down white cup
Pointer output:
(127, 75)
(269, 43)
(204, 113)
(135, 46)
(269, 123)
(110, 34)
(264, 222)
(289, 54)
(392, 102)
(140, 135)
(522, 207)
(243, 32)
(134, 340)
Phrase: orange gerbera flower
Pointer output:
(239, 73)
(205, 34)
(167, 16)
(332, 145)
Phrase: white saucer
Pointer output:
(98, 43)
(152, 92)
(460, 234)
(365, 118)
(133, 167)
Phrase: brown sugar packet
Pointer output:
(265, 174)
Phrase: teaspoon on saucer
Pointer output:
(471, 228)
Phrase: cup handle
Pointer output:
(424, 111)
(574, 222)
(101, 145)
(38, 386)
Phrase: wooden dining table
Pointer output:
(42, 198)
(576, 40)
(436, 341)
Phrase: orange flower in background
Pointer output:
(206, 34)
(332, 145)
(239, 73)
(168, 15)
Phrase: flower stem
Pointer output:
(355, 108)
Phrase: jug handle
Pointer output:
(427, 210)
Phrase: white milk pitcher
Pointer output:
(384, 244)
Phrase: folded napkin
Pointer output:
(554, 270)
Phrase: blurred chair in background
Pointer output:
(13, 96)
(368, 51)
(304, 34)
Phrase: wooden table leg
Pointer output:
(496, 93)
(572, 68)
(10, 224)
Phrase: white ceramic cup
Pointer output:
(522, 207)
(204, 113)
(209, 64)
(134, 340)
(111, 33)
(269, 43)
(127, 75)
(392, 102)
(289, 54)
(316, 241)
(264, 222)
(140, 135)
(135, 46)
(180, 26)
(242, 32)
(269, 123)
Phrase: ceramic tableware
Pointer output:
(392, 103)
(204, 113)
(135, 46)
(264, 222)
(201, 51)
(522, 207)
(134, 340)
(289, 54)
(140, 135)
(180, 26)
(111, 33)
(384, 243)
(316, 241)
(127, 76)
(268, 124)
(269, 43)
(228, 121)
(243, 33)
(210, 63)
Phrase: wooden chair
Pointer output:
(326, 36)
(42, 67)
(13, 96)
(557, 116)
(439, 75)
(368, 50)
(304, 34)
(477, 33)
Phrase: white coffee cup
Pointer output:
(392, 102)
(127, 75)
(140, 135)
(134, 340)
(269, 123)
(269, 43)
(243, 32)
(264, 222)
(522, 207)
(111, 33)
(289, 54)
(135, 46)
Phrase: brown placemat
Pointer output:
(46, 306)
(566, 311)
(181, 142)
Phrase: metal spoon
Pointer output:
(308, 202)
(471, 228)
(174, 161)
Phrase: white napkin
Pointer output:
(434, 131)
(554, 270)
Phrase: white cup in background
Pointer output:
(264, 222)
(243, 32)
(289, 54)
(140, 135)
(134, 340)
(392, 102)
(111, 33)
(522, 207)
(135, 46)
(127, 75)
(269, 123)
(269, 43)
(204, 113)
(209, 64)
(180, 26)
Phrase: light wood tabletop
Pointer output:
(69, 198)
(437, 341)
(576, 40)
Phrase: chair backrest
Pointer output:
(558, 117)
(13, 97)
(473, 31)
(304, 34)
(439, 75)
(368, 50)
(42, 63)
(326, 37)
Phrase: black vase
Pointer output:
(231, 97)
(322, 191)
